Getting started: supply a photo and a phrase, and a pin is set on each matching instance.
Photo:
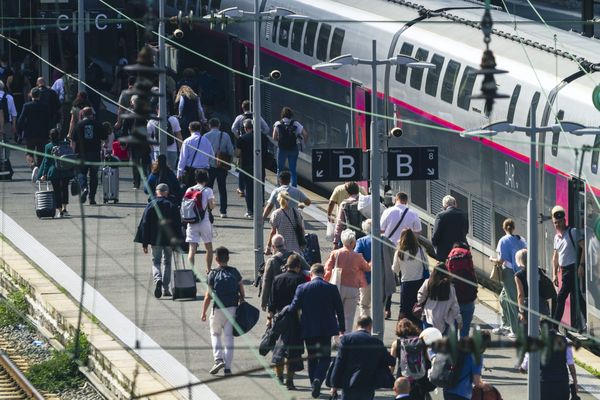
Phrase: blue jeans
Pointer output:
(292, 158)
(466, 311)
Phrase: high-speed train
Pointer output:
(550, 70)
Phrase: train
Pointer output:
(551, 70)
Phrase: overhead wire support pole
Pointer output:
(162, 80)
(80, 45)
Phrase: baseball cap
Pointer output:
(558, 212)
(162, 187)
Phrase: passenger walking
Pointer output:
(245, 151)
(139, 148)
(81, 101)
(412, 359)
(50, 102)
(8, 129)
(362, 364)
(438, 297)
(281, 295)
(352, 267)
(411, 263)
(460, 266)
(288, 222)
(348, 215)
(322, 316)
(568, 246)
(275, 266)
(507, 248)
(226, 287)
(125, 101)
(89, 138)
(59, 178)
(363, 247)
(289, 135)
(220, 165)
(190, 109)
(451, 226)
(297, 197)
(173, 136)
(554, 373)
(522, 287)
(161, 173)
(196, 153)
(469, 376)
(160, 227)
(201, 231)
(339, 194)
(399, 217)
(33, 126)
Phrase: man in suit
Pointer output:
(33, 126)
(362, 364)
(322, 317)
(451, 226)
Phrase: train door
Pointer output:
(358, 136)
(238, 60)
(592, 261)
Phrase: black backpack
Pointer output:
(4, 107)
(287, 135)
(156, 133)
(547, 290)
(354, 218)
(444, 373)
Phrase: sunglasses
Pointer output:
(558, 215)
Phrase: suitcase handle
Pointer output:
(40, 185)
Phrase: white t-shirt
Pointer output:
(297, 125)
(207, 194)
(411, 267)
(154, 134)
(390, 219)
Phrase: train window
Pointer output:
(323, 41)
(309, 125)
(336, 137)
(534, 100)
(309, 38)
(418, 193)
(595, 154)
(336, 43)
(560, 115)
(510, 117)
(450, 81)
(433, 75)
(284, 31)
(416, 75)
(274, 30)
(466, 88)
(297, 30)
(401, 70)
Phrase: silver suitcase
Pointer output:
(110, 184)
(44, 202)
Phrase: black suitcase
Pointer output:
(312, 251)
(44, 202)
(184, 281)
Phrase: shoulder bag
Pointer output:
(399, 222)
(297, 227)
(336, 274)
(223, 159)
(418, 308)
(425, 265)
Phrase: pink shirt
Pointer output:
(353, 267)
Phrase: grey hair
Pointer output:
(366, 225)
(348, 236)
(278, 241)
(448, 201)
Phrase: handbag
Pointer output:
(223, 159)
(496, 274)
(330, 234)
(418, 308)
(336, 274)
(189, 171)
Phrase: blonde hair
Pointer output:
(283, 198)
(521, 258)
(186, 92)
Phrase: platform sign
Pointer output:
(337, 165)
(413, 163)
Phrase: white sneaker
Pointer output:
(511, 335)
(34, 174)
(223, 215)
(501, 330)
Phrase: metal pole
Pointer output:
(80, 45)
(162, 79)
(587, 14)
(533, 321)
(377, 299)
(257, 183)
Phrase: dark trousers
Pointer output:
(319, 356)
(83, 179)
(38, 146)
(358, 394)
(555, 390)
(567, 288)
(249, 191)
(61, 191)
(452, 396)
(408, 298)
(221, 176)
(140, 159)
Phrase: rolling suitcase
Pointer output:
(6, 171)
(184, 280)
(44, 202)
(312, 251)
(110, 184)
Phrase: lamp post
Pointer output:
(162, 80)
(375, 146)
(533, 320)
(80, 46)
(224, 17)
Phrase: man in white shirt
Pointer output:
(196, 152)
(201, 231)
(8, 127)
(172, 144)
(397, 218)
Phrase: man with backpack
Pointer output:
(173, 132)
(219, 166)
(395, 219)
(226, 287)
(289, 135)
(348, 215)
(196, 206)
(8, 129)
